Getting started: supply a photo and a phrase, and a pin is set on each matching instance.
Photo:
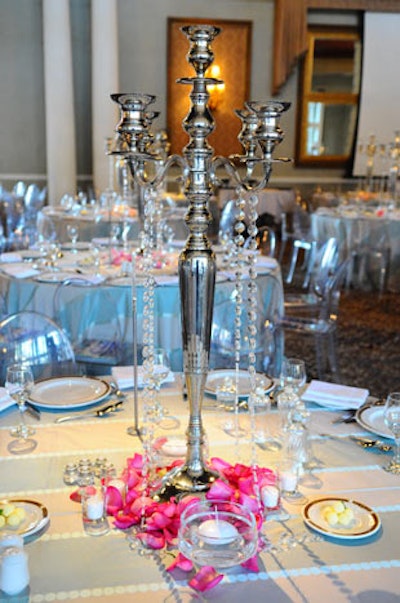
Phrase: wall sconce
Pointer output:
(216, 91)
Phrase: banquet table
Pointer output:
(271, 201)
(365, 229)
(111, 299)
(98, 223)
(67, 564)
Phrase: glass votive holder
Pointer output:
(94, 516)
(217, 533)
(70, 474)
(288, 475)
(14, 570)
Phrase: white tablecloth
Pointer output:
(370, 229)
(66, 564)
(270, 200)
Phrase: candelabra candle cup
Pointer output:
(221, 534)
(94, 517)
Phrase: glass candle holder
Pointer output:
(94, 516)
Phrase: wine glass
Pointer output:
(159, 370)
(19, 381)
(73, 234)
(392, 419)
(294, 373)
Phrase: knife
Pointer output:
(32, 410)
(102, 412)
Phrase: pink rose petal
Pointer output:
(181, 563)
(205, 579)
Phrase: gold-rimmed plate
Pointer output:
(372, 418)
(365, 521)
(35, 520)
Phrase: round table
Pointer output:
(110, 301)
(364, 230)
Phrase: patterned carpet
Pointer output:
(368, 342)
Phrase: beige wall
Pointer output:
(142, 39)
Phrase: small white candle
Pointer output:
(119, 484)
(288, 480)
(94, 507)
(270, 496)
(217, 531)
(174, 447)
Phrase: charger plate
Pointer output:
(69, 392)
(372, 419)
(216, 378)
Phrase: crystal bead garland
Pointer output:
(252, 315)
(239, 228)
(149, 392)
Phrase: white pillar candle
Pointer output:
(217, 531)
(94, 507)
(288, 480)
(270, 496)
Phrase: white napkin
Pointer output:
(333, 395)
(264, 261)
(5, 400)
(10, 256)
(123, 375)
(19, 270)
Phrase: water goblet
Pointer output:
(294, 373)
(392, 420)
(159, 370)
(73, 234)
(19, 381)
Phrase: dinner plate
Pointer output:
(372, 419)
(365, 523)
(216, 378)
(68, 392)
(54, 277)
(36, 517)
(79, 245)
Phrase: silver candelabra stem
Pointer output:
(197, 267)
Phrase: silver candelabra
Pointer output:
(259, 135)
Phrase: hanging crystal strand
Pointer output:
(148, 332)
(252, 315)
(238, 242)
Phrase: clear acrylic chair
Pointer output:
(300, 235)
(88, 315)
(326, 260)
(36, 340)
(266, 241)
(323, 326)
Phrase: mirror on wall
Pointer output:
(328, 97)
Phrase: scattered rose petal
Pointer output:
(181, 563)
(205, 579)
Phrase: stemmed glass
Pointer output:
(160, 369)
(73, 233)
(294, 373)
(19, 381)
(392, 420)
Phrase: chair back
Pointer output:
(87, 313)
(227, 219)
(324, 264)
(329, 308)
(266, 241)
(37, 341)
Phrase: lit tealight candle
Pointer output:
(94, 507)
(217, 531)
(174, 447)
(270, 496)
